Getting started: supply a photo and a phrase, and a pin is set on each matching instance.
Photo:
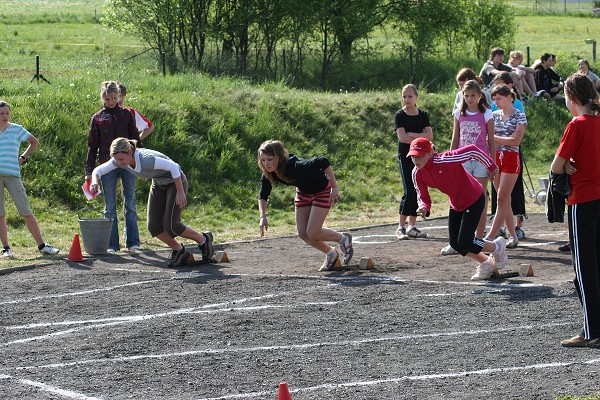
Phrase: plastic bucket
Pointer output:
(95, 232)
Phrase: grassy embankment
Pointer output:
(212, 127)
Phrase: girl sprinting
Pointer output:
(316, 190)
(577, 155)
(166, 200)
(445, 171)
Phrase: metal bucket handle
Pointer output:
(89, 209)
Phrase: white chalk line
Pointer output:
(83, 292)
(135, 318)
(331, 386)
(50, 388)
(225, 306)
(300, 346)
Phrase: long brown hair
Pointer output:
(274, 148)
(482, 105)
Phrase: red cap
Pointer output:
(419, 147)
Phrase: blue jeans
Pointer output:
(109, 186)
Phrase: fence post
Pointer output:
(594, 50)
(410, 64)
(164, 63)
(528, 57)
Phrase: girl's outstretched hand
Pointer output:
(422, 212)
(335, 195)
(263, 225)
(493, 174)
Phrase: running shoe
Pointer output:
(401, 233)
(346, 247)
(448, 251)
(48, 249)
(520, 233)
(512, 242)
(6, 252)
(500, 257)
(177, 257)
(329, 262)
(415, 233)
(207, 249)
(484, 270)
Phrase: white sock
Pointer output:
(410, 227)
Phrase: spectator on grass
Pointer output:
(577, 156)
(445, 172)
(166, 200)
(495, 66)
(585, 69)
(11, 137)
(526, 74)
(410, 122)
(143, 124)
(547, 79)
(111, 122)
(518, 194)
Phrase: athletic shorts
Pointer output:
(15, 187)
(320, 199)
(508, 162)
(476, 169)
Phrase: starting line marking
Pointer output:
(50, 388)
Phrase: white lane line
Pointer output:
(301, 346)
(84, 292)
(69, 394)
(524, 244)
(330, 386)
(135, 318)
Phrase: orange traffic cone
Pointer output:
(75, 252)
(283, 393)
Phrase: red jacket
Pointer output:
(444, 171)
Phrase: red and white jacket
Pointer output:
(445, 172)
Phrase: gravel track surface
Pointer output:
(415, 327)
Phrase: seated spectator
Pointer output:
(585, 69)
(494, 66)
(526, 74)
(547, 79)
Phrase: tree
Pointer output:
(490, 24)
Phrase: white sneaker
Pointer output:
(512, 242)
(484, 270)
(500, 257)
(111, 251)
(48, 249)
(135, 247)
(448, 251)
(401, 233)
(415, 233)
(329, 263)
(6, 252)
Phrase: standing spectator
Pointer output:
(526, 74)
(577, 155)
(143, 124)
(316, 191)
(585, 69)
(111, 122)
(509, 127)
(474, 124)
(410, 123)
(11, 137)
(166, 200)
(445, 172)
(517, 196)
(547, 79)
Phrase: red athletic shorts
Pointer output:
(319, 199)
(508, 162)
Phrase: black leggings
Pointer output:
(408, 203)
(164, 215)
(462, 226)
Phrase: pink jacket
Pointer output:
(444, 171)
